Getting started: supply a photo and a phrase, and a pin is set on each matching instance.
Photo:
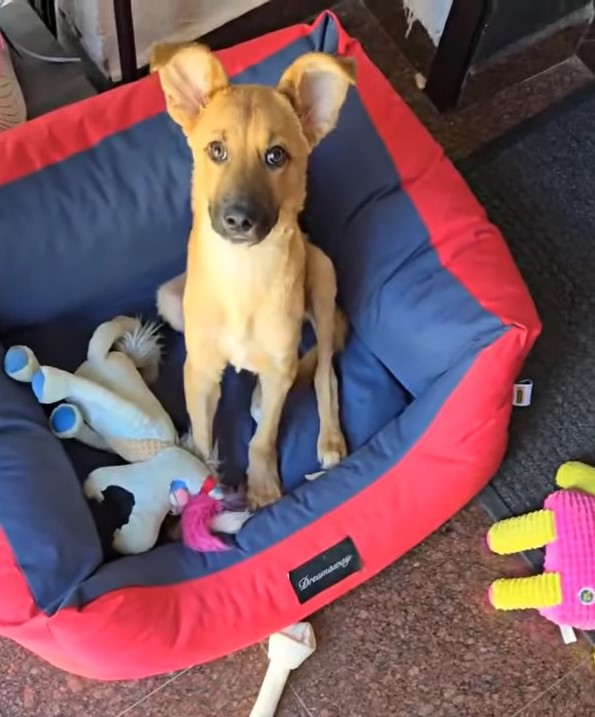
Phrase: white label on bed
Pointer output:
(521, 392)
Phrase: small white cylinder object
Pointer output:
(287, 650)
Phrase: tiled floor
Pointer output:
(418, 640)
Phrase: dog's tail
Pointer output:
(309, 361)
(139, 341)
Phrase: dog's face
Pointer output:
(250, 158)
(250, 143)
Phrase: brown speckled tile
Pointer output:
(573, 696)
(32, 688)
(227, 687)
(420, 639)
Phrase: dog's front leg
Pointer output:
(202, 389)
(321, 291)
(331, 447)
(264, 486)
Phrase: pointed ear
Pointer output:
(316, 85)
(190, 75)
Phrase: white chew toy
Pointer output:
(287, 650)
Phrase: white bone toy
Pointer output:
(287, 650)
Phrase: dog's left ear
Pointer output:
(190, 75)
(316, 85)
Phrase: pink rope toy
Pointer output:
(206, 511)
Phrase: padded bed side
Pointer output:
(38, 485)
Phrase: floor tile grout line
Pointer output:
(552, 687)
(300, 701)
(129, 709)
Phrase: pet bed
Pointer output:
(94, 214)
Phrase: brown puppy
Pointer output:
(252, 277)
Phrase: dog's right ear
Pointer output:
(316, 84)
(190, 75)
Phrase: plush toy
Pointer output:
(109, 406)
(565, 592)
(107, 403)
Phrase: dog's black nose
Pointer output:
(243, 220)
(239, 218)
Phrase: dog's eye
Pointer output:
(217, 152)
(275, 156)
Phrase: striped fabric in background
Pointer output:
(12, 103)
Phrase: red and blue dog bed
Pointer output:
(94, 215)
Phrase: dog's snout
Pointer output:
(243, 220)
(239, 217)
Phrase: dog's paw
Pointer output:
(259, 496)
(264, 486)
(331, 449)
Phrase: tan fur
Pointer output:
(244, 305)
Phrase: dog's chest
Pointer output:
(246, 346)
(254, 308)
(242, 351)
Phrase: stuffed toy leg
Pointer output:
(66, 421)
(108, 403)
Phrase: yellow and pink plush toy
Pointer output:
(565, 592)
(107, 404)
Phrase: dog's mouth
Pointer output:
(243, 221)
